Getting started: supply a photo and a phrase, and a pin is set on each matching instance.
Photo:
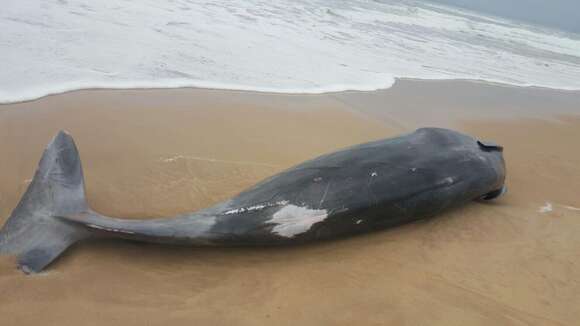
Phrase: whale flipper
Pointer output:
(33, 232)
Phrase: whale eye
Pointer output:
(489, 146)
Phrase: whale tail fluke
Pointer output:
(33, 232)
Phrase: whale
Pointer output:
(366, 187)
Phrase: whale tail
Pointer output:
(33, 232)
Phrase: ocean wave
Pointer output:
(302, 46)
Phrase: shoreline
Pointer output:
(395, 83)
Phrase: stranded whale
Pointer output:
(354, 190)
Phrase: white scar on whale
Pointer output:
(292, 220)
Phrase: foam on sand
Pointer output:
(303, 46)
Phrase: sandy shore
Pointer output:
(153, 153)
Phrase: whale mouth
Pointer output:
(489, 146)
(494, 194)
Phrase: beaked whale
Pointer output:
(365, 187)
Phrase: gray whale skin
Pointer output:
(358, 189)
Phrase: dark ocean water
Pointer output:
(557, 14)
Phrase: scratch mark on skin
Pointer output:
(255, 207)
(213, 160)
(340, 210)
(324, 196)
(546, 208)
(94, 226)
(371, 192)
(358, 221)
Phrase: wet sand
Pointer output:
(149, 153)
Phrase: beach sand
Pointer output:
(149, 153)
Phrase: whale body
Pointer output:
(365, 187)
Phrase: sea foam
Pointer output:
(298, 46)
